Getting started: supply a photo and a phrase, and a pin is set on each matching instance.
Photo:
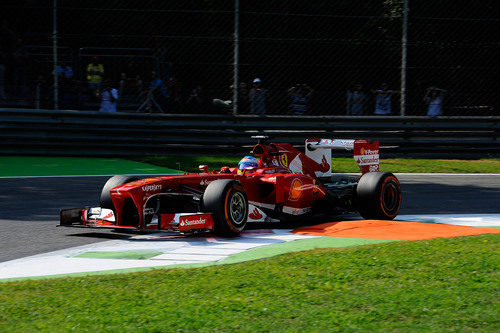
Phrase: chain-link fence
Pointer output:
(311, 57)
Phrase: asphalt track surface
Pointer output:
(29, 207)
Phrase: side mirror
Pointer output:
(203, 168)
(225, 169)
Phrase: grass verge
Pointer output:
(436, 285)
(342, 164)
(19, 166)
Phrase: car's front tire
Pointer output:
(228, 203)
(105, 198)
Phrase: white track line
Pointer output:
(470, 220)
(174, 251)
(180, 250)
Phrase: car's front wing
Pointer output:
(97, 217)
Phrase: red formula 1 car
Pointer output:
(286, 184)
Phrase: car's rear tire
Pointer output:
(378, 196)
(228, 203)
(105, 198)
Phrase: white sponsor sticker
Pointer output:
(95, 211)
(296, 211)
(197, 221)
(98, 213)
(205, 182)
(366, 159)
(338, 143)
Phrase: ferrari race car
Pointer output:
(285, 184)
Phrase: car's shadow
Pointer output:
(253, 226)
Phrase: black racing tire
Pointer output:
(105, 198)
(378, 196)
(227, 201)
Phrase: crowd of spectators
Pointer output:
(91, 86)
(358, 101)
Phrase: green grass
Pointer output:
(438, 285)
(16, 166)
(441, 166)
(137, 255)
(399, 165)
(191, 163)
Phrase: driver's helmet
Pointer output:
(246, 162)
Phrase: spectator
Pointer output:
(300, 95)
(20, 69)
(136, 86)
(356, 101)
(42, 92)
(124, 86)
(109, 97)
(226, 104)
(196, 103)
(173, 92)
(257, 97)
(157, 89)
(131, 85)
(434, 99)
(67, 86)
(65, 71)
(95, 72)
(156, 95)
(383, 99)
(243, 98)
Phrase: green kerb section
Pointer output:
(25, 166)
(253, 254)
(298, 245)
(134, 255)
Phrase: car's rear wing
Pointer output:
(365, 154)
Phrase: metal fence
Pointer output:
(312, 57)
(92, 133)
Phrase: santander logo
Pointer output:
(366, 159)
(188, 222)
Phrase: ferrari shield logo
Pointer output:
(284, 160)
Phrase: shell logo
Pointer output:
(362, 151)
(295, 190)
